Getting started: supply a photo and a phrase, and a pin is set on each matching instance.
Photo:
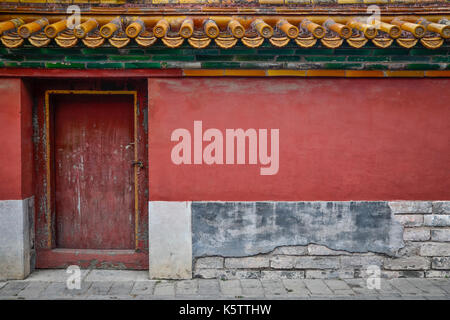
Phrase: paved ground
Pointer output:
(109, 284)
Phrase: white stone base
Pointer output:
(170, 240)
(15, 242)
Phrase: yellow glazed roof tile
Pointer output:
(225, 31)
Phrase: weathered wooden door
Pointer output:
(95, 197)
(94, 172)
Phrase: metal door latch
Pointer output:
(140, 164)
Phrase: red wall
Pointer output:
(27, 142)
(340, 139)
(15, 140)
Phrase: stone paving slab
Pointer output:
(127, 285)
(99, 288)
(209, 288)
(34, 289)
(143, 287)
(85, 286)
(13, 288)
(443, 285)
(295, 287)
(165, 288)
(231, 288)
(406, 287)
(55, 289)
(273, 288)
(252, 288)
(427, 287)
(121, 288)
(337, 284)
(317, 287)
(359, 287)
(186, 287)
(54, 275)
(117, 275)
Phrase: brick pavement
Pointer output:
(109, 284)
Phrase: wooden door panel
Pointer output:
(94, 181)
(89, 210)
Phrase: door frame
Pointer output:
(47, 255)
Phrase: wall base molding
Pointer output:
(16, 234)
(318, 239)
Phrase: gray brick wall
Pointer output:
(425, 253)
